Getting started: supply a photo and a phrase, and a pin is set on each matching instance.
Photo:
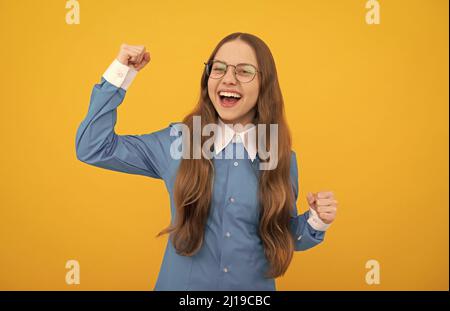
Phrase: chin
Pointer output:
(227, 116)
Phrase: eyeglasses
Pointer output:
(243, 72)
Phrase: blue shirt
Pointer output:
(232, 255)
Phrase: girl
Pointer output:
(234, 226)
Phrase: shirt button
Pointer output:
(225, 269)
(299, 237)
(236, 163)
(232, 200)
(228, 234)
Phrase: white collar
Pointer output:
(247, 137)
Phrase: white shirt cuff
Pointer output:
(316, 222)
(120, 75)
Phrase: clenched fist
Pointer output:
(324, 204)
(134, 56)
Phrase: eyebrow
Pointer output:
(237, 64)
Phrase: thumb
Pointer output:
(311, 200)
(145, 60)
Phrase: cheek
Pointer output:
(252, 96)
(211, 90)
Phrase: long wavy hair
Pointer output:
(194, 181)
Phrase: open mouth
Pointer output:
(228, 100)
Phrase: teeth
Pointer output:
(228, 94)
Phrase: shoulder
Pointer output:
(173, 129)
(163, 137)
(176, 128)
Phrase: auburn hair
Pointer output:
(194, 181)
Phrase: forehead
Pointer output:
(236, 52)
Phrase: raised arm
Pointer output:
(97, 143)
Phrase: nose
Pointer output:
(229, 76)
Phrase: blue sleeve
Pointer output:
(304, 235)
(97, 143)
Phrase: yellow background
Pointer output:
(367, 105)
